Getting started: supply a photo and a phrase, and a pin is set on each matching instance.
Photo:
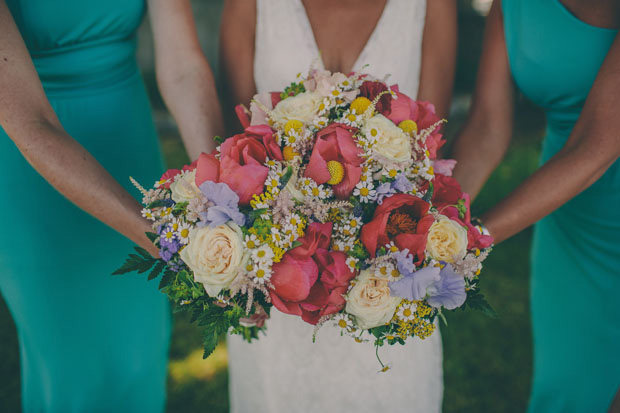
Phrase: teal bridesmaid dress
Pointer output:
(575, 283)
(89, 341)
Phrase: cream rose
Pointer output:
(215, 255)
(390, 140)
(184, 187)
(303, 107)
(447, 240)
(370, 302)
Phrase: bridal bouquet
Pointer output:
(330, 206)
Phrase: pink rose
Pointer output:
(242, 162)
(335, 143)
(310, 281)
(168, 177)
(422, 113)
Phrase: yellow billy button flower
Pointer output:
(359, 105)
(336, 172)
(289, 153)
(408, 126)
(293, 124)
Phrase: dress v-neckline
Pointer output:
(311, 37)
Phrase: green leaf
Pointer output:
(477, 301)
(255, 213)
(144, 253)
(152, 236)
(286, 177)
(166, 279)
(209, 342)
(156, 204)
(135, 263)
(296, 244)
(218, 139)
(429, 193)
(157, 269)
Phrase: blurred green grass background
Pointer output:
(487, 362)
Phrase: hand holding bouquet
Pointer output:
(330, 206)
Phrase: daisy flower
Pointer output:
(262, 255)
(183, 232)
(365, 191)
(407, 312)
(148, 214)
(251, 241)
(351, 263)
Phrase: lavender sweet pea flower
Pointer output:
(449, 291)
(402, 184)
(413, 286)
(404, 262)
(384, 190)
(224, 208)
(442, 287)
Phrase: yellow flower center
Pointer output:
(249, 267)
(289, 153)
(251, 244)
(336, 172)
(261, 254)
(293, 124)
(395, 273)
(408, 126)
(407, 312)
(392, 173)
(185, 232)
(364, 191)
(260, 273)
(352, 117)
(342, 324)
(359, 105)
(383, 270)
(315, 191)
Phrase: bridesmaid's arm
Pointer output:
(439, 54)
(484, 139)
(592, 147)
(237, 54)
(184, 76)
(30, 122)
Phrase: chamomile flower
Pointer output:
(165, 213)
(251, 241)
(391, 247)
(183, 232)
(351, 263)
(168, 233)
(260, 274)
(386, 269)
(148, 214)
(365, 191)
(390, 172)
(406, 311)
(262, 255)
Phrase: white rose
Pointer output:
(447, 240)
(303, 107)
(390, 140)
(370, 302)
(184, 187)
(215, 255)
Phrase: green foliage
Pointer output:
(460, 206)
(429, 193)
(293, 89)
(359, 251)
(141, 262)
(286, 177)
(152, 236)
(179, 208)
(218, 139)
(477, 301)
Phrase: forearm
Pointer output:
(566, 175)
(192, 99)
(67, 166)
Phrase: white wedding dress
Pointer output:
(284, 371)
